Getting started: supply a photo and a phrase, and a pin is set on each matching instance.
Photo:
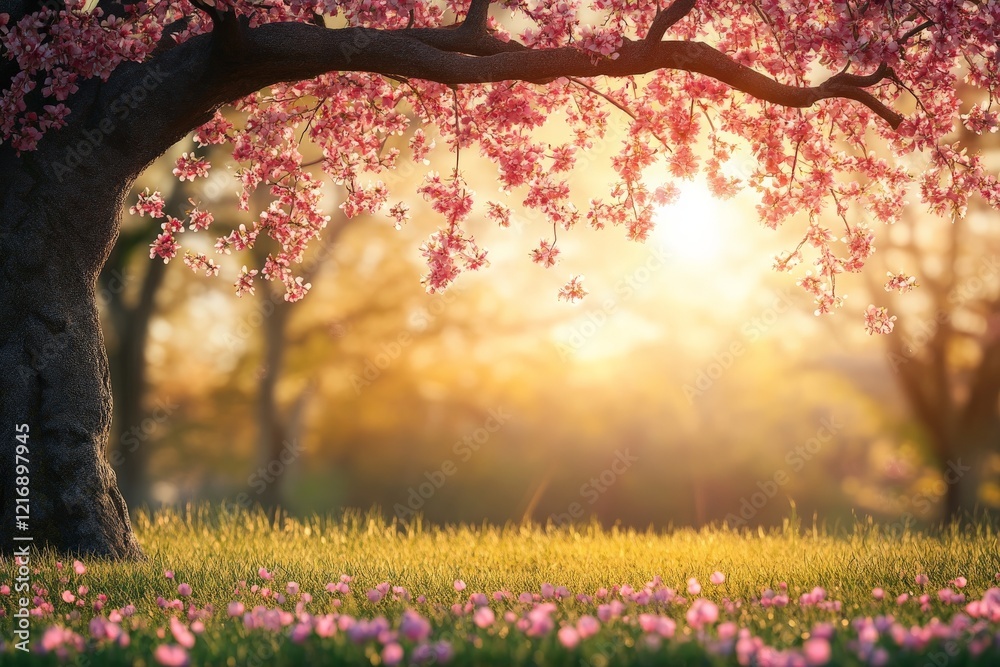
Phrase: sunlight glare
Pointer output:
(691, 226)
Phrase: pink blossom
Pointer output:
(587, 626)
(392, 654)
(816, 651)
(569, 637)
(573, 290)
(877, 320)
(171, 655)
(717, 578)
(483, 617)
(190, 167)
(181, 633)
(701, 613)
(414, 627)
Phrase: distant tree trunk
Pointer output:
(963, 471)
(271, 430)
(130, 451)
(277, 433)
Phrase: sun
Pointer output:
(691, 227)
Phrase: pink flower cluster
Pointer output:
(804, 165)
(657, 611)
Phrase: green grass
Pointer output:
(214, 550)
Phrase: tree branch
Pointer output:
(477, 16)
(292, 51)
(665, 18)
(200, 75)
(227, 28)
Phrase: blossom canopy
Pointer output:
(828, 110)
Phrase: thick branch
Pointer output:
(290, 51)
(476, 18)
(665, 18)
(196, 77)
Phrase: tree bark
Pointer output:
(55, 239)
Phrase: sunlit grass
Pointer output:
(213, 550)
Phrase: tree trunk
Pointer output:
(964, 470)
(961, 498)
(130, 452)
(55, 238)
(272, 434)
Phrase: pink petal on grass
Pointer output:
(171, 655)
(702, 612)
(816, 651)
(180, 632)
(588, 626)
(392, 654)
(569, 637)
(717, 578)
(459, 585)
(483, 617)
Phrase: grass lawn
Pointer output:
(530, 596)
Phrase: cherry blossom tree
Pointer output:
(92, 92)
